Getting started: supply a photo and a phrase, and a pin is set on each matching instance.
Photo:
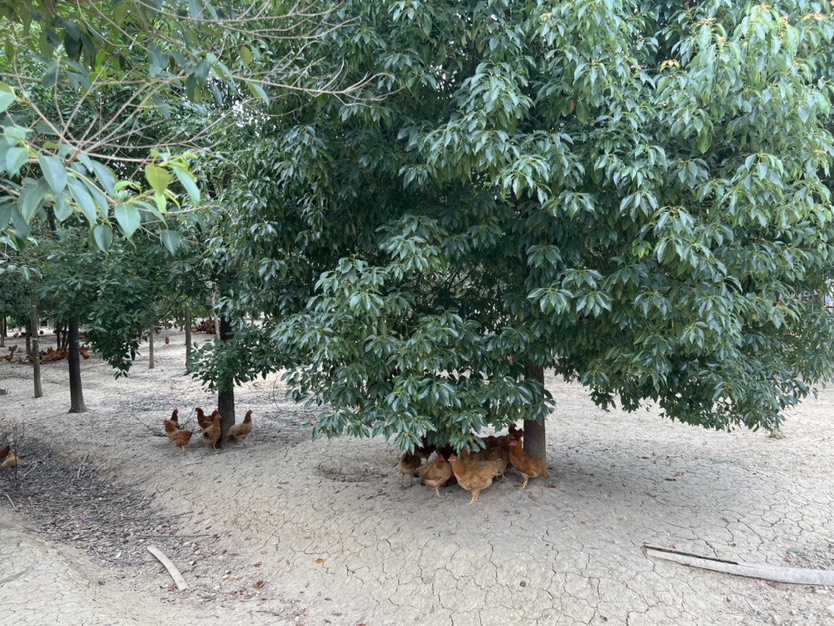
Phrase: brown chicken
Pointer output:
(436, 474)
(4, 452)
(528, 465)
(211, 434)
(179, 438)
(167, 340)
(474, 477)
(503, 441)
(85, 352)
(409, 463)
(241, 431)
(9, 459)
(500, 457)
(8, 357)
(175, 417)
(204, 420)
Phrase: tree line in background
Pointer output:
(427, 203)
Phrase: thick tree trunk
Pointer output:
(36, 361)
(226, 395)
(534, 432)
(150, 350)
(74, 361)
(188, 341)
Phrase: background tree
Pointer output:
(13, 301)
(626, 192)
(94, 94)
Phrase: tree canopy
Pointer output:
(632, 193)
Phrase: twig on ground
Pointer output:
(172, 569)
(791, 575)
(154, 432)
(81, 466)
(32, 466)
(14, 508)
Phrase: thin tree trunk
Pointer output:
(29, 340)
(36, 360)
(217, 322)
(226, 395)
(150, 349)
(74, 361)
(534, 432)
(2, 331)
(188, 340)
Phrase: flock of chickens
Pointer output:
(47, 356)
(210, 425)
(473, 471)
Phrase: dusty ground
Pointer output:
(287, 530)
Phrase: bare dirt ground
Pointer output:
(292, 531)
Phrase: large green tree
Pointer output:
(627, 192)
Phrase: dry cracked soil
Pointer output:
(286, 530)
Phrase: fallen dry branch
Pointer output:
(172, 569)
(773, 573)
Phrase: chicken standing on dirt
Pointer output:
(436, 474)
(211, 435)
(409, 463)
(528, 465)
(474, 477)
(8, 357)
(204, 420)
(241, 431)
(179, 438)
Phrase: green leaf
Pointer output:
(5, 214)
(15, 158)
(172, 240)
(63, 209)
(201, 72)
(120, 11)
(103, 236)
(72, 40)
(159, 60)
(158, 177)
(18, 132)
(20, 224)
(31, 199)
(6, 96)
(54, 172)
(105, 176)
(246, 56)
(258, 91)
(161, 202)
(186, 179)
(704, 140)
(196, 9)
(83, 199)
(127, 215)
